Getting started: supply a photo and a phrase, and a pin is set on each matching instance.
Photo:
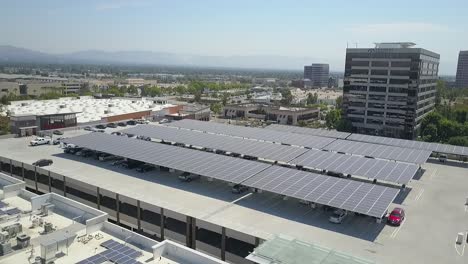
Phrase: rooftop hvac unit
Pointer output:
(110, 105)
(5, 248)
(24, 104)
(48, 228)
(4, 236)
(62, 106)
(22, 241)
(13, 229)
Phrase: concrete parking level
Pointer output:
(434, 203)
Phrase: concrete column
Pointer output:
(161, 213)
(138, 215)
(194, 233)
(35, 178)
(11, 167)
(188, 231)
(117, 208)
(50, 181)
(22, 170)
(64, 186)
(257, 241)
(98, 198)
(223, 243)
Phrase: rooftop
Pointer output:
(54, 228)
(88, 109)
(266, 215)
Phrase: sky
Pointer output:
(317, 29)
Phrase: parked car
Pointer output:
(144, 138)
(145, 168)
(338, 216)
(57, 140)
(188, 177)
(443, 158)
(142, 121)
(88, 128)
(40, 141)
(106, 157)
(131, 122)
(101, 126)
(117, 133)
(57, 132)
(43, 162)
(131, 135)
(164, 120)
(112, 125)
(131, 164)
(239, 188)
(396, 217)
(122, 124)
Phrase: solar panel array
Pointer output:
(202, 163)
(355, 196)
(275, 152)
(395, 172)
(116, 253)
(380, 151)
(254, 133)
(309, 131)
(437, 147)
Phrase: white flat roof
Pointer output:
(87, 109)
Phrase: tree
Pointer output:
(216, 108)
(4, 125)
(332, 118)
(339, 102)
(440, 91)
(225, 98)
(287, 97)
(430, 133)
(459, 141)
(344, 125)
(180, 90)
(197, 95)
(132, 90)
(312, 99)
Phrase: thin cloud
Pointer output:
(413, 27)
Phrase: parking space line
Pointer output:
(396, 231)
(419, 195)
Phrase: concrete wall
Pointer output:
(180, 254)
(133, 238)
(136, 115)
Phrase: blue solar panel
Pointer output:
(13, 211)
(2, 212)
(2, 204)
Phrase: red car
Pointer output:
(396, 217)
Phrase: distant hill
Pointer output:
(15, 54)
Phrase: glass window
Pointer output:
(380, 64)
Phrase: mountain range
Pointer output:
(15, 55)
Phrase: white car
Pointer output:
(338, 216)
(40, 141)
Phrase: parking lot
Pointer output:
(434, 204)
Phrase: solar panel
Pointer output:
(384, 170)
(354, 196)
(116, 253)
(274, 152)
(13, 211)
(436, 147)
(2, 204)
(193, 161)
(309, 131)
(380, 151)
(254, 133)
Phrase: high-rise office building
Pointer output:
(389, 89)
(318, 74)
(462, 70)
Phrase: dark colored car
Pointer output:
(117, 133)
(122, 124)
(131, 122)
(88, 128)
(396, 217)
(100, 126)
(131, 164)
(239, 188)
(43, 162)
(112, 125)
(145, 168)
(145, 138)
(57, 132)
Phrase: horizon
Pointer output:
(286, 31)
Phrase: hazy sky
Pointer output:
(309, 28)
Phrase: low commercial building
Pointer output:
(51, 228)
(278, 114)
(189, 111)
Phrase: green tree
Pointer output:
(332, 118)
(197, 95)
(430, 133)
(312, 99)
(459, 141)
(344, 125)
(339, 102)
(132, 90)
(287, 97)
(216, 108)
(4, 125)
(180, 90)
(225, 98)
(440, 92)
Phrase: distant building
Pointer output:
(389, 89)
(318, 74)
(280, 115)
(189, 111)
(462, 70)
